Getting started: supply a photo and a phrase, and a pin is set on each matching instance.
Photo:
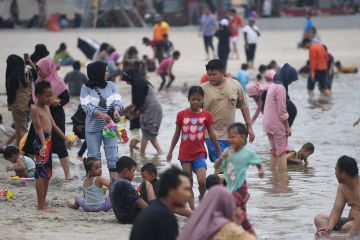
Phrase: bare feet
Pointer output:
(46, 209)
(69, 178)
(72, 204)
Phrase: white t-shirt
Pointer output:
(251, 35)
(29, 163)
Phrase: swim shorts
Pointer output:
(43, 164)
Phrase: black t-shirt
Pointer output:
(156, 222)
(224, 37)
(123, 198)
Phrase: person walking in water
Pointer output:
(208, 27)
(276, 116)
(251, 35)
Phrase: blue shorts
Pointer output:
(196, 164)
(213, 154)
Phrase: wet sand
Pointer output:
(279, 208)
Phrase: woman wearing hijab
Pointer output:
(223, 34)
(277, 109)
(39, 53)
(18, 90)
(146, 104)
(98, 98)
(216, 218)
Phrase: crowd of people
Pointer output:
(205, 129)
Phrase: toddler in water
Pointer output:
(191, 124)
(22, 165)
(234, 162)
(297, 157)
(345, 69)
(94, 199)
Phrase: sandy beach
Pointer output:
(278, 210)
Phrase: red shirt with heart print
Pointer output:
(193, 127)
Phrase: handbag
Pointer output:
(102, 104)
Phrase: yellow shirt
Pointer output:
(232, 231)
(160, 30)
(222, 102)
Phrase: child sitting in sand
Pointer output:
(298, 157)
(44, 124)
(345, 69)
(125, 201)
(234, 162)
(148, 189)
(165, 70)
(94, 199)
(22, 165)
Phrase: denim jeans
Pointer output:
(94, 140)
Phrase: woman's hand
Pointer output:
(251, 134)
(116, 114)
(288, 131)
(69, 144)
(104, 116)
(55, 101)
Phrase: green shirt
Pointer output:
(235, 167)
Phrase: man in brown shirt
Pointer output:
(222, 97)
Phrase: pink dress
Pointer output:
(275, 114)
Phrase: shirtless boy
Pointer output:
(43, 124)
(347, 174)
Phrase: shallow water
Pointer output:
(279, 208)
(282, 206)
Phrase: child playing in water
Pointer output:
(148, 189)
(297, 157)
(234, 162)
(243, 76)
(345, 69)
(94, 199)
(44, 124)
(165, 69)
(192, 123)
(22, 165)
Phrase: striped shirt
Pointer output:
(90, 99)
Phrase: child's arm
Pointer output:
(18, 166)
(174, 142)
(101, 181)
(214, 139)
(306, 161)
(183, 211)
(141, 203)
(38, 129)
(292, 159)
(261, 171)
(222, 157)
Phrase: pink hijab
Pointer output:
(48, 67)
(214, 212)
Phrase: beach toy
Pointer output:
(122, 119)
(110, 130)
(21, 179)
(122, 134)
(73, 138)
(4, 193)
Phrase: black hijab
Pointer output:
(286, 76)
(40, 52)
(139, 87)
(96, 74)
(15, 75)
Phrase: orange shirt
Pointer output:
(318, 58)
(159, 30)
